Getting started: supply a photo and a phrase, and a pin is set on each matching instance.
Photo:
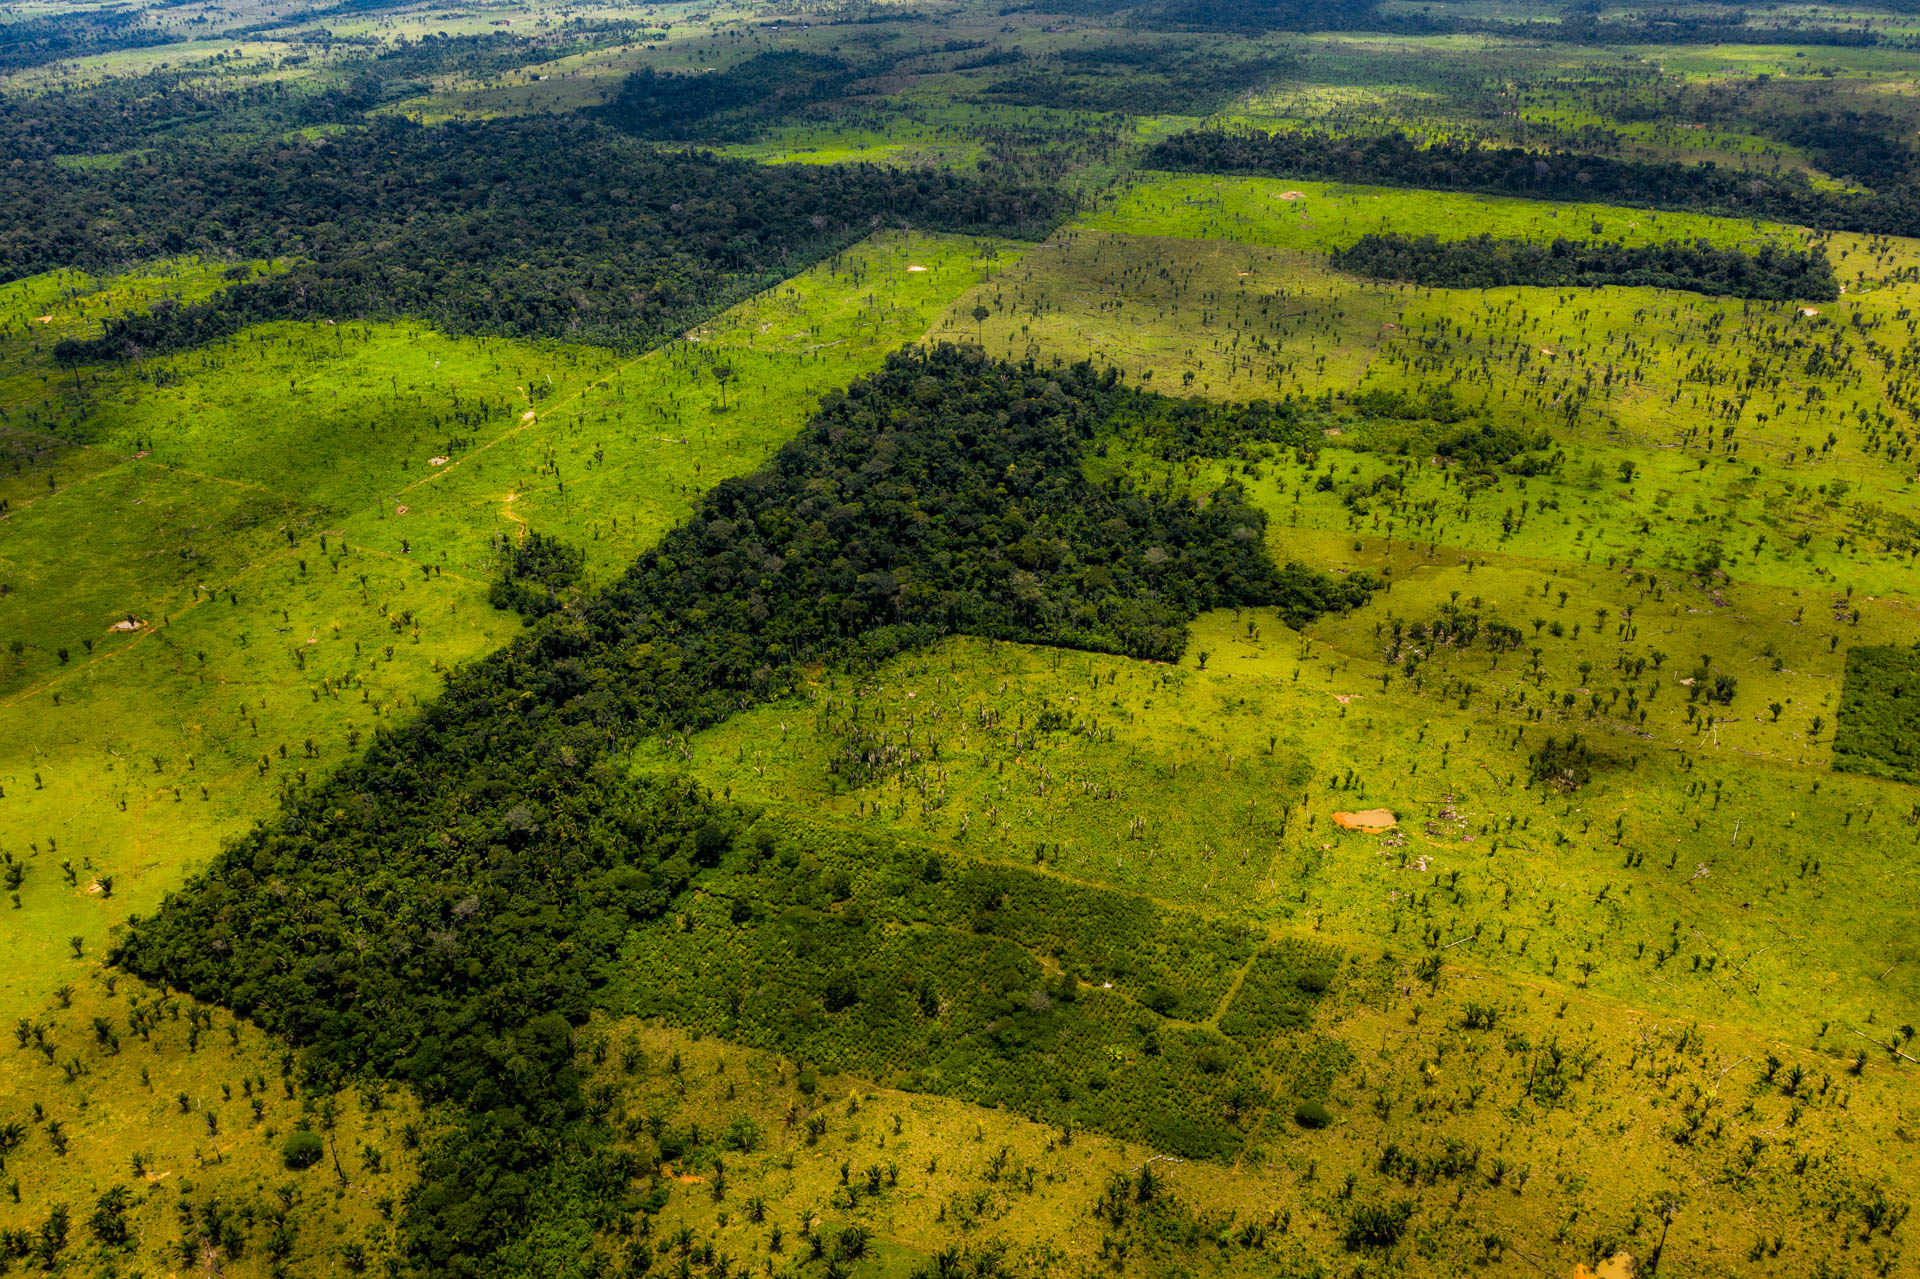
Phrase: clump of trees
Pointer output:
(1563, 763)
(1878, 732)
(539, 576)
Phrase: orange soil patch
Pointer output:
(1370, 821)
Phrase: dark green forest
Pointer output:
(1770, 274)
(548, 227)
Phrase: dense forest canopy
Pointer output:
(522, 227)
(1482, 262)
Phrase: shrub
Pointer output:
(1377, 1225)
(1311, 1114)
(302, 1149)
(1564, 764)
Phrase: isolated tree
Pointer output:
(1667, 1205)
(723, 373)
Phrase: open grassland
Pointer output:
(149, 1130)
(1216, 789)
(1308, 217)
(260, 551)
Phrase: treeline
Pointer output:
(1396, 160)
(443, 910)
(1869, 147)
(36, 41)
(727, 105)
(1427, 421)
(1771, 273)
(1140, 78)
(190, 103)
(548, 227)
(1575, 26)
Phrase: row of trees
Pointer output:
(1397, 160)
(1772, 274)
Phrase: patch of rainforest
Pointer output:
(539, 227)
(1482, 262)
(450, 908)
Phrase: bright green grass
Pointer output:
(39, 311)
(1721, 61)
(616, 457)
(135, 761)
(1672, 516)
(1328, 215)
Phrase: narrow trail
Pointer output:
(532, 418)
